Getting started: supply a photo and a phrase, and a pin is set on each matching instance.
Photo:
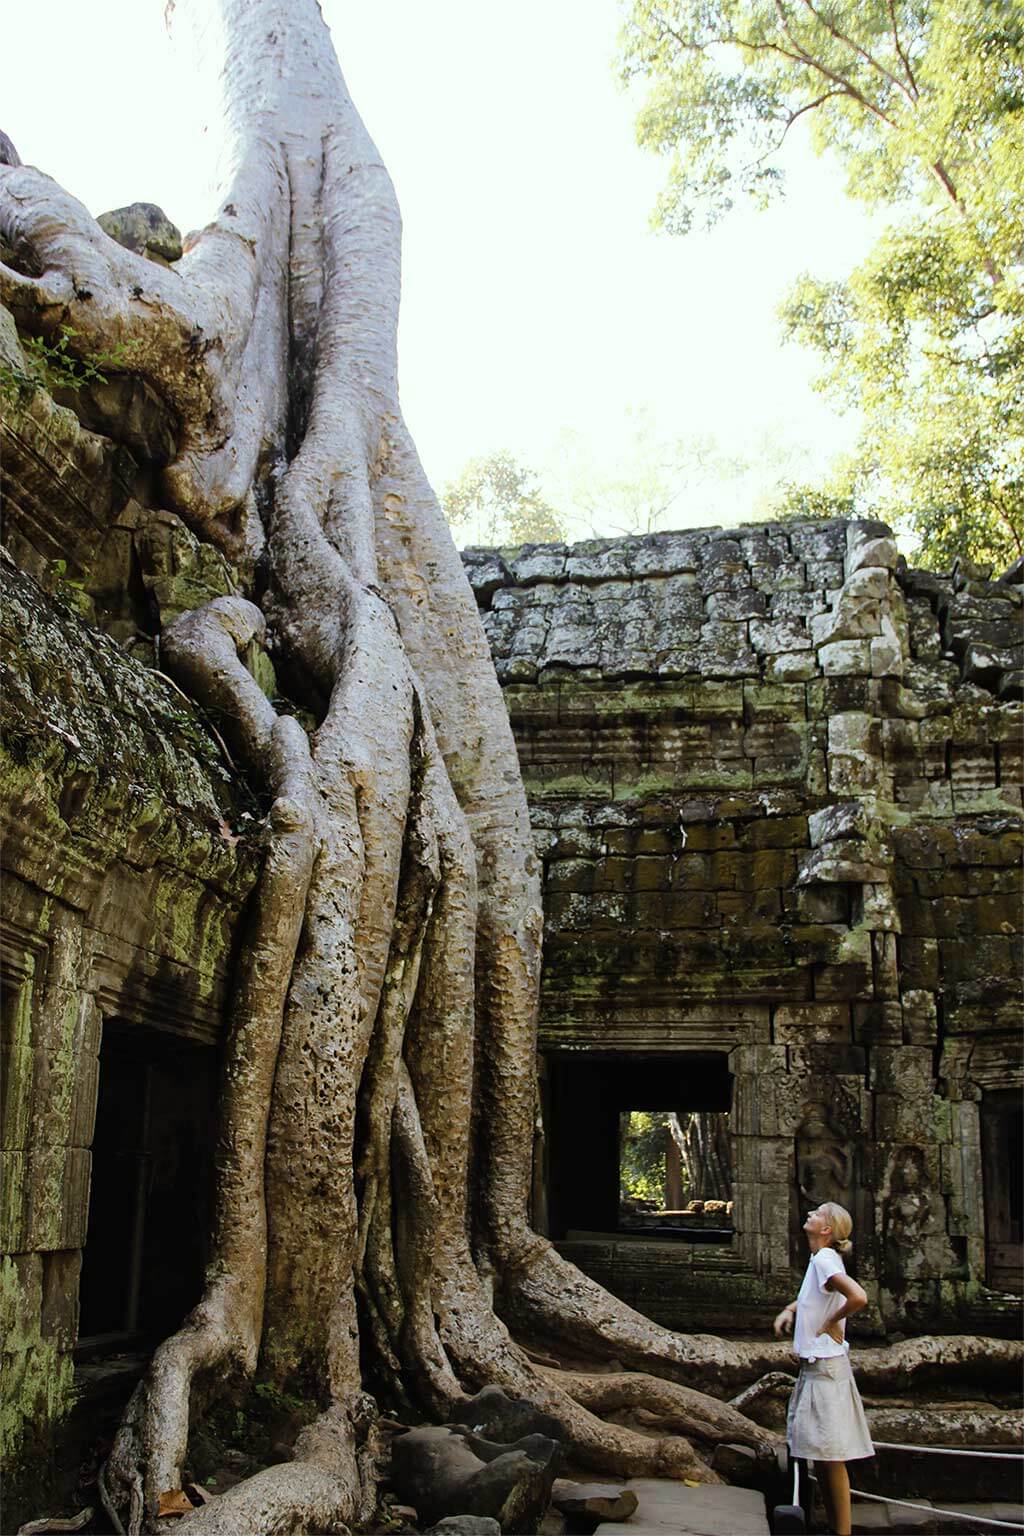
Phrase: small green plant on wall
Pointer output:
(56, 365)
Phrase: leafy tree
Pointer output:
(496, 500)
(654, 477)
(923, 103)
(643, 1141)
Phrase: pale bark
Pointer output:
(378, 1103)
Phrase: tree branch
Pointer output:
(904, 57)
(808, 106)
(849, 42)
(841, 81)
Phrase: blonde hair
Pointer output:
(841, 1222)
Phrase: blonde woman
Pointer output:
(826, 1422)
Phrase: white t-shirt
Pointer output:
(815, 1306)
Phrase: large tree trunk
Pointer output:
(702, 1139)
(382, 1033)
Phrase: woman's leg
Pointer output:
(835, 1487)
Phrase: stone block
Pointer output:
(773, 1208)
(487, 572)
(758, 1060)
(774, 1160)
(859, 774)
(998, 913)
(845, 623)
(782, 703)
(850, 819)
(45, 1198)
(750, 907)
(576, 874)
(538, 563)
(21, 1300)
(821, 904)
(846, 658)
(851, 979)
(808, 1023)
(878, 910)
(961, 1172)
(887, 651)
(880, 552)
(825, 573)
(84, 1099)
(854, 733)
(733, 606)
(776, 637)
(764, 869)
(791, 667)
(787, 576)
(901, 1068)
(819, 541)
(774, 832)
(775, 742)
(885, 956)
(651, 873)
(839, 863)
(17, 1062)
(59, 1312)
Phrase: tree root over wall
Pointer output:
(379, 1062)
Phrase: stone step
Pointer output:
(665, 1506)
(931, 1520)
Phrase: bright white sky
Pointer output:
(537, 302)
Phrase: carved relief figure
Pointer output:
(906, 1214)
(824, 1157)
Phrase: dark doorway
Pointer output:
(587, 1102)
(1002, 1151)
(149, 1203)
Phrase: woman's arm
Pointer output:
(856, 1298)
(784, 1322)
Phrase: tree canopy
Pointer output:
(923, 104)
(496, 500)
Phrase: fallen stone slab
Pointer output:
(446, 1470)
(596, 1501)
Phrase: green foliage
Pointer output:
(643, 1140)
(923, 103)
(496, 500)
(57, 366)
(288, 1404)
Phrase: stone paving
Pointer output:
(667, 1506)
(869, 1518)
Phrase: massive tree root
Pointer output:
(380, 1049)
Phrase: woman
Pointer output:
(826, 1422)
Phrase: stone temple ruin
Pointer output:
(775, 782)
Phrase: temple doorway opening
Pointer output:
(149, 1204)
(675, 1173)
(1002, 1151)
(638, 1145)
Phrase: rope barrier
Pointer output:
(947, 1514)
(947, 1450)
(929, 1509)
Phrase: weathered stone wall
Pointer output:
(775, 780)
(123, 883)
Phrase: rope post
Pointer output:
(789, 1519)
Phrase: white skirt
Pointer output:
(826, 1419)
